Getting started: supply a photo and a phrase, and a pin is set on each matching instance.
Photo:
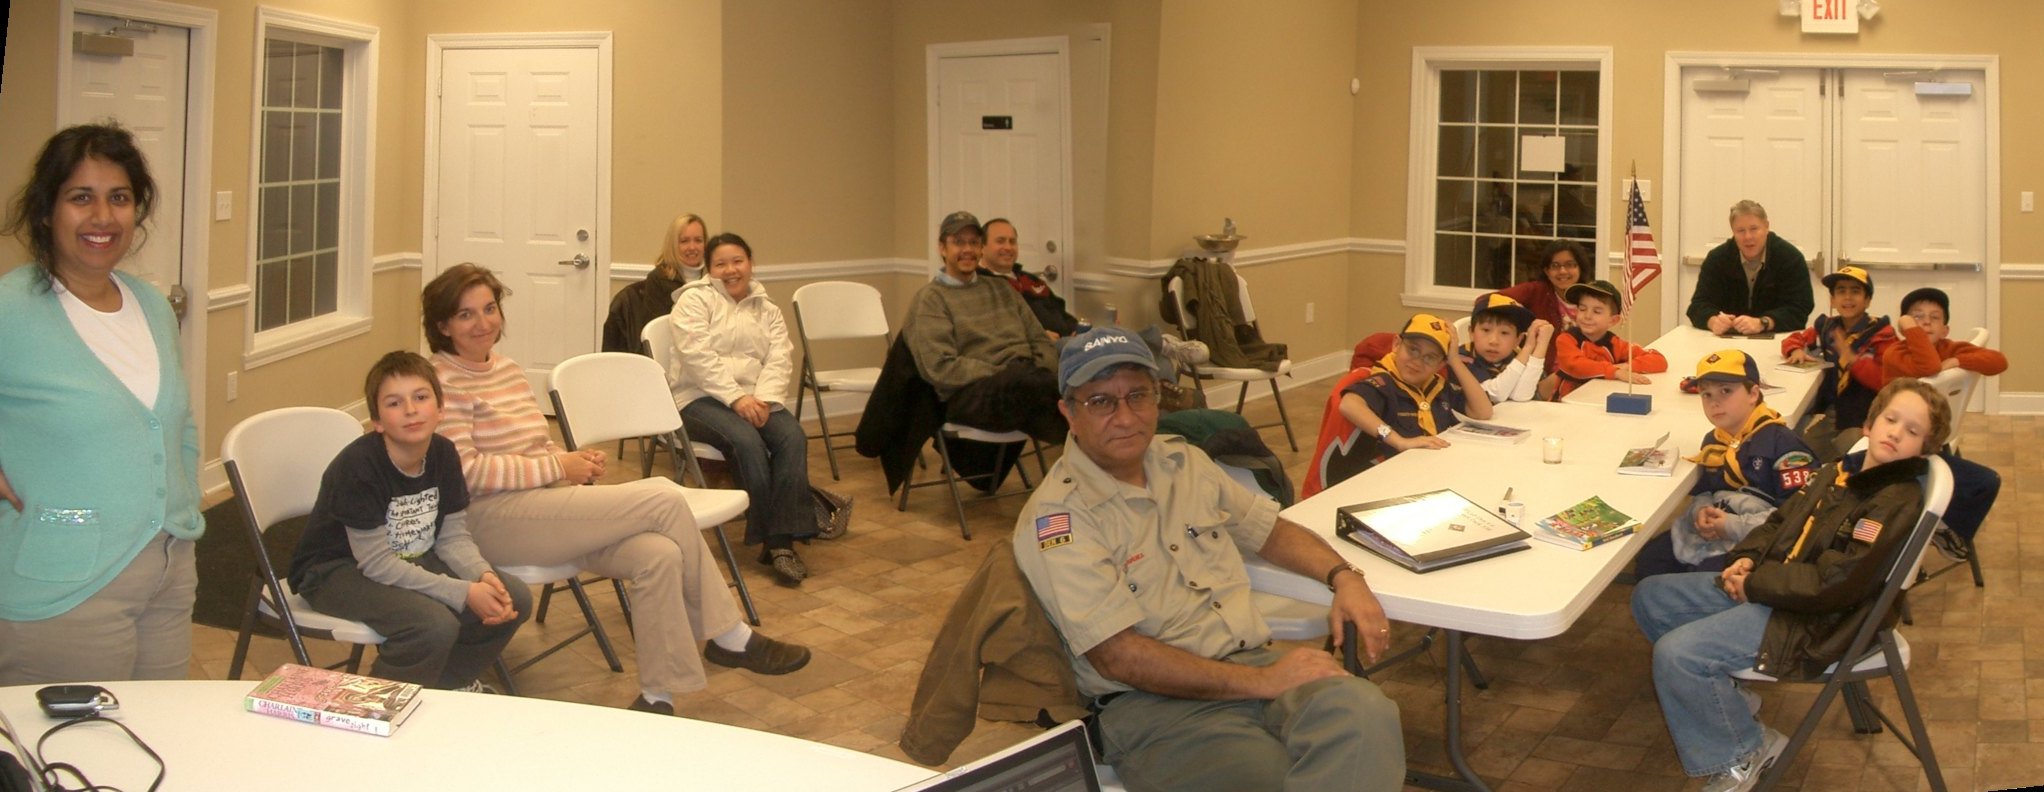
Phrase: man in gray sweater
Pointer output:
(980, 346)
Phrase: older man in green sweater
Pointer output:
(980, 346)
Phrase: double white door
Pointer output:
(1883, 169)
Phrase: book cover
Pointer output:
(1585, 525)
(331, 698)
(1429, 530)
(1655, 460)
(1807, 366)
(1487, 432)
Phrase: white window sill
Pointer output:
(270, 346)
(1445, 299)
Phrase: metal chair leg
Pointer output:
(504, 676)
(823, 422)
(589, 613)
(354, 658)
(1242, 398)
(1905, 696)
(546, 597)
(1283, 420)
(951, 482)
(737, 578)
(624, 603)
(248, 625)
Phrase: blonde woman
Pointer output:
(680, 263)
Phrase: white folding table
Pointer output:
(1541, 591)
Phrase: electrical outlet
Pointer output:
(233, 385)
(1309, 313)
(223, 205)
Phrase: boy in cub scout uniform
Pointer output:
(1134, 546)
(1408, 399)
(1748, 464)
(1506, 349)
(1852, 341)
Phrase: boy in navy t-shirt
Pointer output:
(1409, 398)
(387, 543)
(1507, 349)
(1747, 464)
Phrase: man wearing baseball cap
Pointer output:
(1747, 464)
(978, 344)
(1852, 342)
(1134, 546)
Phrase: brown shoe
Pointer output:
(788, 567)
(641, 704)
(762, 655)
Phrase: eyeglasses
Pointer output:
(1102, 405)
(1415, 352)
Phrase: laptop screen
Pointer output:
(1059, 760)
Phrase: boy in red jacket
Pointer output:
(1852, 342)
(1590, 351)
(1927, 348)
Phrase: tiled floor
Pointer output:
(1572, 712)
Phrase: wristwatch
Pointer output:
(1338, 569)
(1383, 431)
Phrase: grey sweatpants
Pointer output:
(424, 641)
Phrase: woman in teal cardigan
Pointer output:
(99, 495)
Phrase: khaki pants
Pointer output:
(138, 627)
(1334, 733)
(642, 533)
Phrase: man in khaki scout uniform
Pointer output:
(1134, 544)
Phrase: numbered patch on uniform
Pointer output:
(1866, 531)
(1053, 530)
(1794, 478)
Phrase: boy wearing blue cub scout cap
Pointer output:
(1748, 465)
(1852, 341)
(1406, 402)
(1507, 348)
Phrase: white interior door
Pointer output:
(1001, 152)
(1912, 195)
(145, 92)
(516, 192)
(1757, 135)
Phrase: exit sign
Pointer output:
(1831, 16)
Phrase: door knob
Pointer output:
(178, 299)
(1050, 246)
(1050, 272)
(580, 261)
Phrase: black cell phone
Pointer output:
(75, 701)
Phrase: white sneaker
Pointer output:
(478, 687)
(1742, 776)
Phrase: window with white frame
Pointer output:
(311, 167)
(1511, 153)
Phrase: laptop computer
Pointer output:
(1059, 760)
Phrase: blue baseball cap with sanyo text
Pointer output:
(1091, 352)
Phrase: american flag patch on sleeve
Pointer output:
(1053, 530)
(1866, 530)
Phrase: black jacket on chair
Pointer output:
(903, 412)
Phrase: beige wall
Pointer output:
(1641, 35)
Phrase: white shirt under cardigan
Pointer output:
(120, 339)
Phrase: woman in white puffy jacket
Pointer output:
(732, 362)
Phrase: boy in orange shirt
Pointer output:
(1853, 342)
(1590, 351)
(1927, 348)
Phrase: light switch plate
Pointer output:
(2029, 201)
(223, 205)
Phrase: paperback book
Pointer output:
(1812, 365)
(1428, 531)
(1655, 460)
(1482, 432)
(331, 698)
(1585, 525)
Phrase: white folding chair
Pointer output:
(1187, 324)
(604, 396)
(658, 336)
(1958, 386)
(274, 462)
(1877, 651)
(837, 310)
(958, 431)
(1461, 332)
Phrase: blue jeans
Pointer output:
(1700, 638)
(771, 463)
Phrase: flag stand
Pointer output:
(1630, 403)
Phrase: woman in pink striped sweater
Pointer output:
(526, 509)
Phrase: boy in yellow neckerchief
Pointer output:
(1748, 464)
(1412, 395)
(1795, 592)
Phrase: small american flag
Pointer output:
(1866, 531)
(1642, 257)
(1053, 530)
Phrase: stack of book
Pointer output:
(330, 698)
(1585, 525)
